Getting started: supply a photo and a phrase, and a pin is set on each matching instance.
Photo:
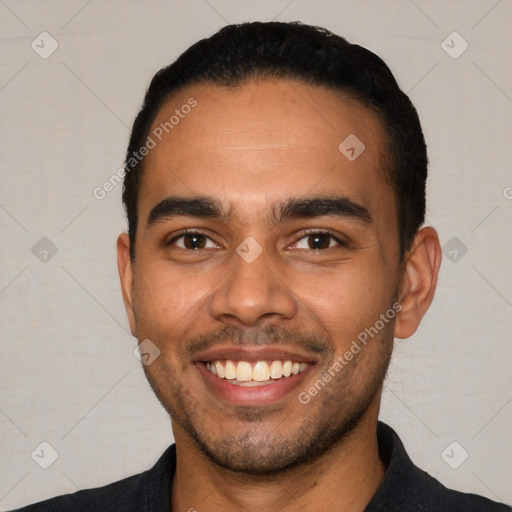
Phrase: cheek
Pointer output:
(345, 302)
(164, 299)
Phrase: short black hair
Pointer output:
(309, 55)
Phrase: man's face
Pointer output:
(294, 254)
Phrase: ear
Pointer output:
(124, 265)
(419, 280)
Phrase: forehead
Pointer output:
(264, 139)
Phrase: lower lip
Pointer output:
(251, 395)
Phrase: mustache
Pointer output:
(267, 336)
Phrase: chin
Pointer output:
(259, 453)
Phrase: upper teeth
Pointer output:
(258, 371)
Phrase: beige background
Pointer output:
(68, 374)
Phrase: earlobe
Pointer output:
(419, 281)
(124, 265)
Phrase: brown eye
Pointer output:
(193, 241)
(319, 241)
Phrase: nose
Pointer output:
(252, 290)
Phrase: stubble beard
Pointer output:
(339, 412)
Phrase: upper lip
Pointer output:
(256, 353)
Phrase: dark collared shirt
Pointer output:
(403, 488)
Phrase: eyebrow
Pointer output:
(175, 206)
(321, 206)
(295, 208)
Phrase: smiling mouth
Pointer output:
(256, 373)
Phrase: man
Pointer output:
(275, 193)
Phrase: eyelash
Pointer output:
(327, 232)
(184, 233)
(305, 234)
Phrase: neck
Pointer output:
(345, 479)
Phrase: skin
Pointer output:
(252, 148)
